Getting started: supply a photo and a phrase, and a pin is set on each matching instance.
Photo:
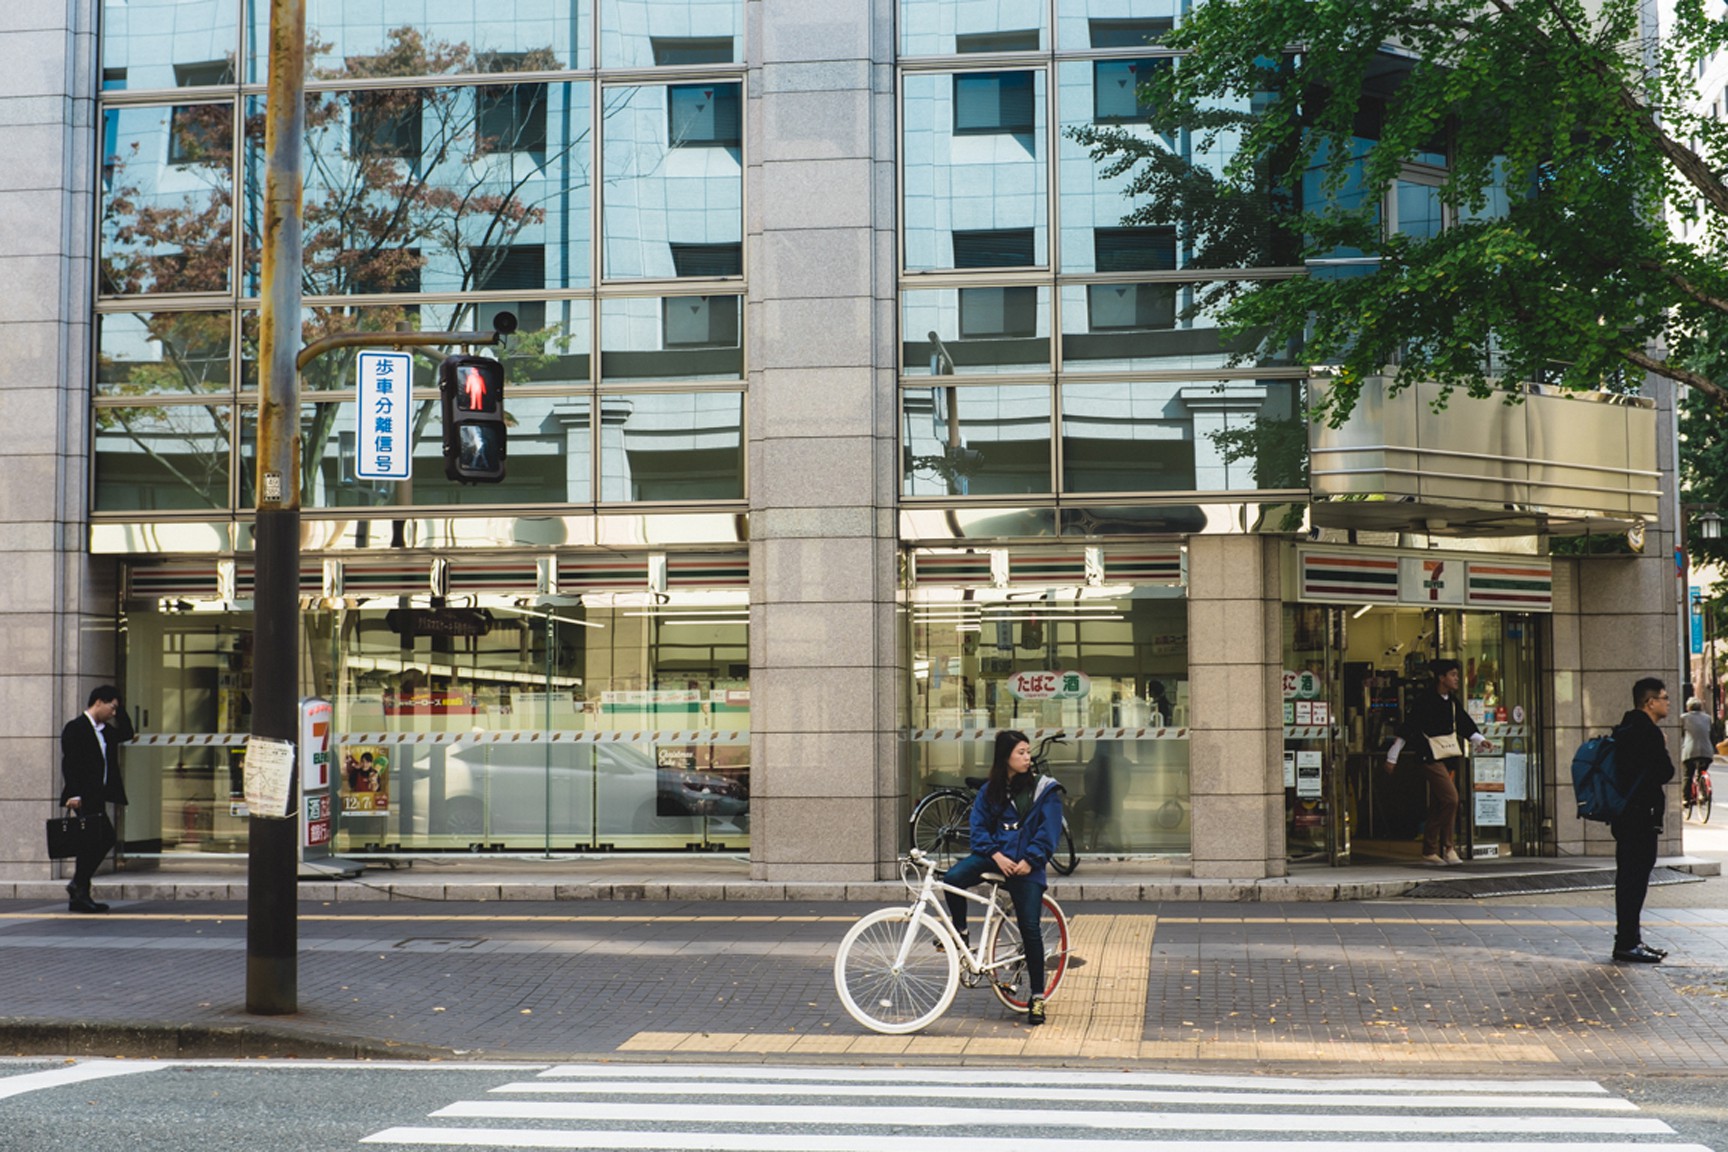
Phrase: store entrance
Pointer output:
(1351, 676)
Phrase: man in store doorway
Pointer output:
(1435, 730)
(1641, 767)
(90, 767)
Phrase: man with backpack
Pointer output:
(1642, 767)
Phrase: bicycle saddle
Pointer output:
(993, 877)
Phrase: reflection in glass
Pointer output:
(653, 33)
(422, 38)
(1231, 435)
(161, 457)
(1166, 324)
(167, 199)
(440, 190)
(674, 181)
(548, 462)
(162, 353)
(976, 331)
(974, 170)
(672, 446)
(168, 43)
(975, 441)
(671, 338)
(942, 27)
(1083, 24)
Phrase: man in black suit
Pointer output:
(90, 766)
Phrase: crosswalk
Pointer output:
(754, 1108)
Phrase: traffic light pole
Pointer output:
(272, 928)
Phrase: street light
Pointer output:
(1710, 525)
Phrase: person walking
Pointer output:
(1696, 748)
(1015, 823)
(1436, 725)
(1641, 768)
(90, 769)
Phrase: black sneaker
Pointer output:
(1035, 1011)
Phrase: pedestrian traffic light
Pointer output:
(472, 392)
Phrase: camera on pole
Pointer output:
(472, 395)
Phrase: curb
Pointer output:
(154, 1040)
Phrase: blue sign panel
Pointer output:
(384, 416)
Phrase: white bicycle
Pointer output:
(898, 968)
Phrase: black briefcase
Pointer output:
(69, 835)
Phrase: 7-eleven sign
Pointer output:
(1431, 580)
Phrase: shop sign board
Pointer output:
(1431, 580)
(316, 720)
(1049, 685)
(1301, 685)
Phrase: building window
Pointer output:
(386, 124)
(1012, 40)
(699, 321)
(1116, 93)
(703, 116)
(521, 267)
(708, 260)
(1129, 307)
(204, 74)
(1128, 33)
(993, 103)
(511, 117)
(990, 313)
(1134, 249)
(670, 51)
(994, 248)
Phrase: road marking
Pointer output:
(79, 1073)
(879, 1142)
(1049, 1093)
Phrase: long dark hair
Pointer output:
(996, 789)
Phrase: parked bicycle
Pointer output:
(942, 820)
(898, 968)
(1697, 797)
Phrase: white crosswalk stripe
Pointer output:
(737, 1108)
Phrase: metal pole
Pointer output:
(272, 930)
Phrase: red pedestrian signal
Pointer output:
(471, 390)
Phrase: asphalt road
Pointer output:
(741, 1107)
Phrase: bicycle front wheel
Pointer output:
(1066, 859)
(885, 995)
(942, 827)
(1010, 982)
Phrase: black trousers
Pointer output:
(1635, 840)
(101, 843)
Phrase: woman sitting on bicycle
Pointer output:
(1015, 824)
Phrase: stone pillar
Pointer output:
(1236, 735)
(56, 612)
(823, 474)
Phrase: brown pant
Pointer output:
(1442, 809)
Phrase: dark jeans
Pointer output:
(100, 845)
(1634, 856)
(1028, 897)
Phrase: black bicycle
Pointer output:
(942, 821)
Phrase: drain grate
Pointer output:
(1478, 887)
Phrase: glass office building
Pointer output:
(857, 412)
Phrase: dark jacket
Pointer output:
(82, 766)
(1641, 760)
(1031, 838)
(1434, 715)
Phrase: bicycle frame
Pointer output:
(924, 897)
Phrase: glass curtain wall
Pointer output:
(456, 166)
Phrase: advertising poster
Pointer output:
(1489, 789)
(1308, 785)
(365, 780)
(693, 780)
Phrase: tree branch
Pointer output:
(1673, 372)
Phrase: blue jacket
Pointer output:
(1032, 839)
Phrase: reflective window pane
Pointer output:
(549, 456)
(653, 33)
(441, 189)
(1206, 436)
(168, 43)
(162, 353)
(167, 199)
(674, 181)
(975, 441)
(975, 331)
(974, 170)
(432, 37)
(162, 457)
(1083, 24)
(943, 27)
(662, 446)
(671, 338)
(1153, 325)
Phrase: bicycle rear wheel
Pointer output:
(1066, 859)
(942, 827)
(1010, 983)
(896, 998)
(1704, 805)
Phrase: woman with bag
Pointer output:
(1435, 729)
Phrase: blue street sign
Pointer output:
(1697, 616)
(384, 416)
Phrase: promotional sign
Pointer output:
(1489, 788)
(365, 780)
(1049, 685)
(316, 830)
(1308, 775)
(384, 417)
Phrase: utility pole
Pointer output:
(272, 927)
